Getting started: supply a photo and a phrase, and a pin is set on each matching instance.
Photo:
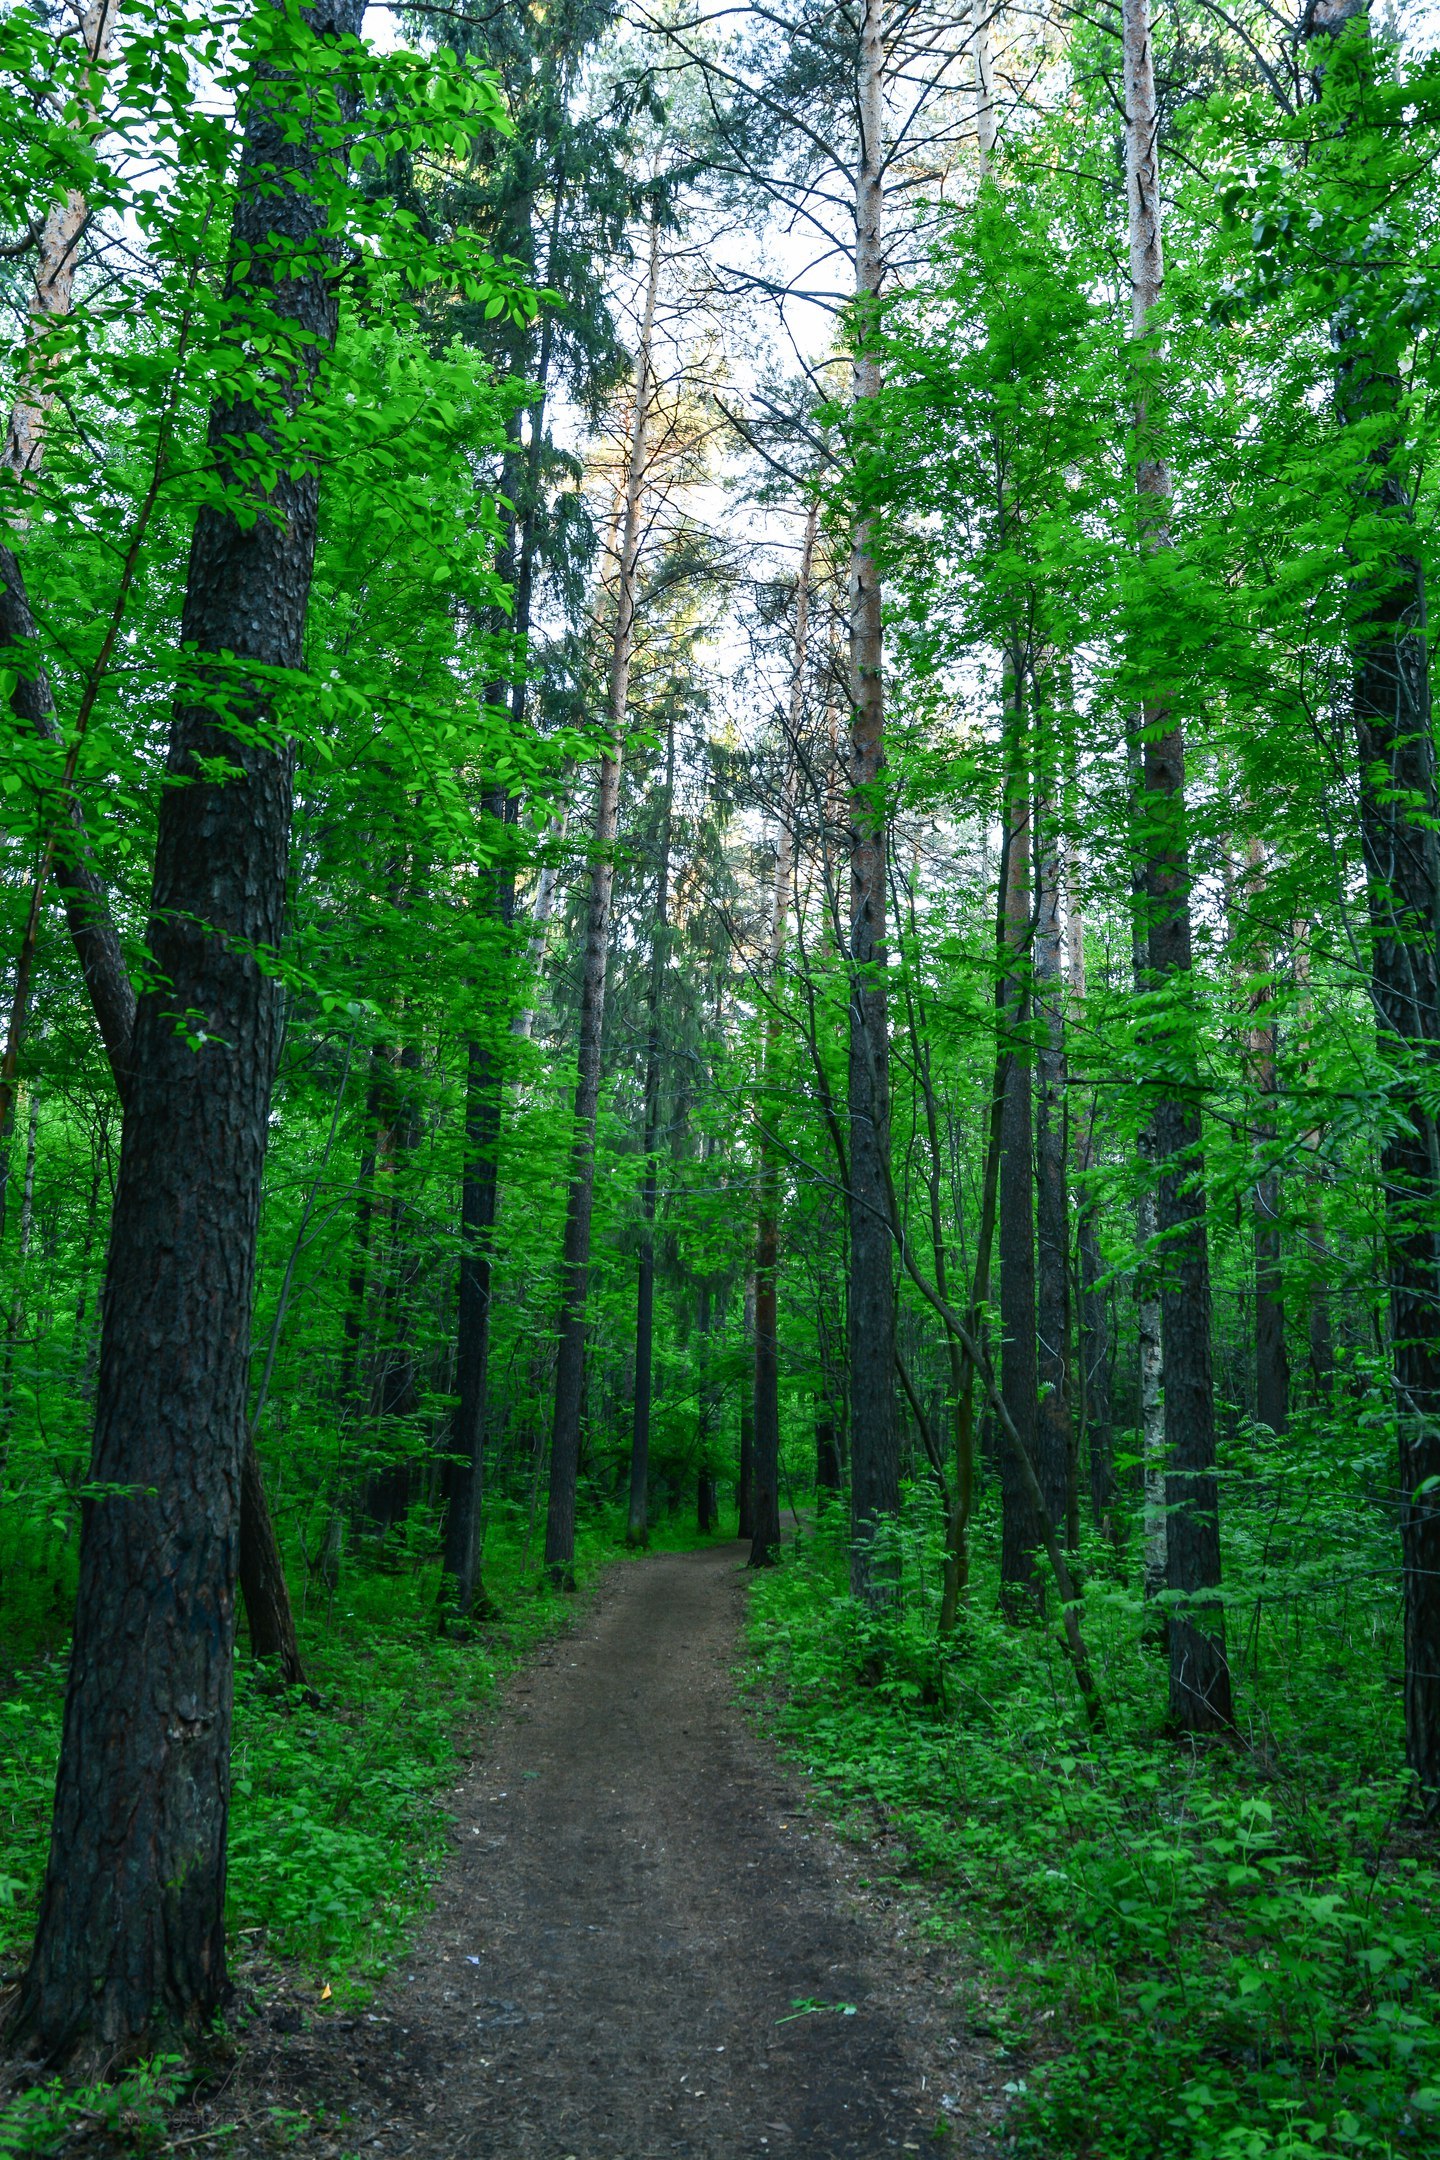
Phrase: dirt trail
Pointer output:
(637, 1901)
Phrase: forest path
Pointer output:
(637, 1900)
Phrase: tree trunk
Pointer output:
(1020, 1533)
(1199, 1672)
(130, 1942)
(874, 1451)
(745, 1479)
(637, 1528)
(1399, 808)
(479, 1191)
(765, 1546)
(1055, 1434)
(575, 1260)
(82, 891)
(1094, 1345)
(1272, 1374)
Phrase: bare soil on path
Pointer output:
(638, 1900)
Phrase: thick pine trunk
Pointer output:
(1399, 809)
(575, 1254)
(874, 1449)
(130, 1941)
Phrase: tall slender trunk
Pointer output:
(1055, 1433)
(575, 1259)
(1149, 1328)
(1021, 1532)
(1399, 809)
(765, 1544)
(462, 1475)
(706, 1510)
(1200, 1697)
(130, 1940)
(745, 1477)
(1094, 1339)
(15, 1304)
(874, 1450)
(1272, 1372)
(637, 1522)
(1318, 1329)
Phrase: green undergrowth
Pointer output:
(1226, 1952)
(339, 1823)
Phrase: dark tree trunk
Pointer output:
(765, 1460)
(1055, 1435)
(706, 1505)
(112, 999)
(1399, 806)
(130, 1941)
(637, 1528)
(827, 1457)
(874, 1447)
(745, 1481)
(461, 1485)
(1021, 1532)
(395, 1395)
(1094, 1364)
(462, 1476)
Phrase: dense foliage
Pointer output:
(1147, 548)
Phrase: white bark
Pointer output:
(57, 253)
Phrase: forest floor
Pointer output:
(647, 1944)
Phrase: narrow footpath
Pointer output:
(637, 1903)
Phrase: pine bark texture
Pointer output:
(1399, 808)
(874, 1443)
(130, 1940)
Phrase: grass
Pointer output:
(1208, 1953)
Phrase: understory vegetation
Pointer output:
(1190, 1952)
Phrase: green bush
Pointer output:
(1222, 1953)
